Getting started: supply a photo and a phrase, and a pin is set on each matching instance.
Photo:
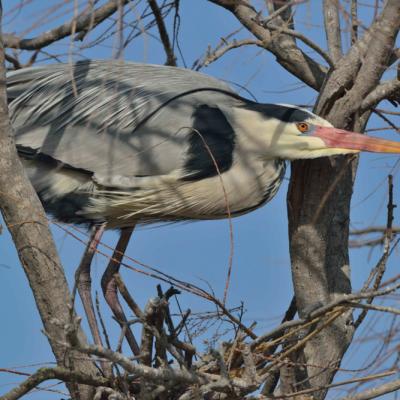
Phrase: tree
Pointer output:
(300, 356)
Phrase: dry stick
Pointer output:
(102, 323)
(375, 392)
(236, 362)
(370, 242)
(276, 341)
(147, 340)
(356, 244)
(127, 297)
(188, 287)
(387, 120)
(167, 295)
(379, 270)
(337, 384)
(188, 349)
(147, 319)
(213, 55)
(332, 316)
(272, 380)
(313, 317)
(373, 229)
(367, 306)
(161, 375)
(161, 358)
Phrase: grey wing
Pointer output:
(122, 120)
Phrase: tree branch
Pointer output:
(81, 23)
(220, 50)
(27, 223)
(45, 374)
(305, 40)
(375, 392)
(332, 29)
(386, 90)
(287, 53)
(171, 59)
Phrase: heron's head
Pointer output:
(293, 133)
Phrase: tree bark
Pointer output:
(319, 198)
(26, 220)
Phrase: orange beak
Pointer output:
(339, 138)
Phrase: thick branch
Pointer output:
(377, 56)
(367, 60)
(332, 29)
(385, 90)
(27, 222)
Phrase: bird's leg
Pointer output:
(84, 282)
(109, 286)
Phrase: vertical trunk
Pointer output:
(320, 193)
(318, 232)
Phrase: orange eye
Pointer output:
(302, 127)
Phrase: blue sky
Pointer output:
(197, 252)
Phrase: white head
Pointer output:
(291, 133)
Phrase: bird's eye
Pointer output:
(303, 127)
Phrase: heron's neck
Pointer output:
(252, 133)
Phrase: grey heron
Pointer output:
(115, 144)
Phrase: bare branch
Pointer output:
(169, 51)
(380, 268)
(368, 306)
(288, 54)
(375, 392)
(333, 385)
(220, 50)
(386, 90)
(45, 374)
(373, 229)
(81, 23)
(305, 40)
(366, 60)
(321, 311)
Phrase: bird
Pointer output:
(114, 144)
